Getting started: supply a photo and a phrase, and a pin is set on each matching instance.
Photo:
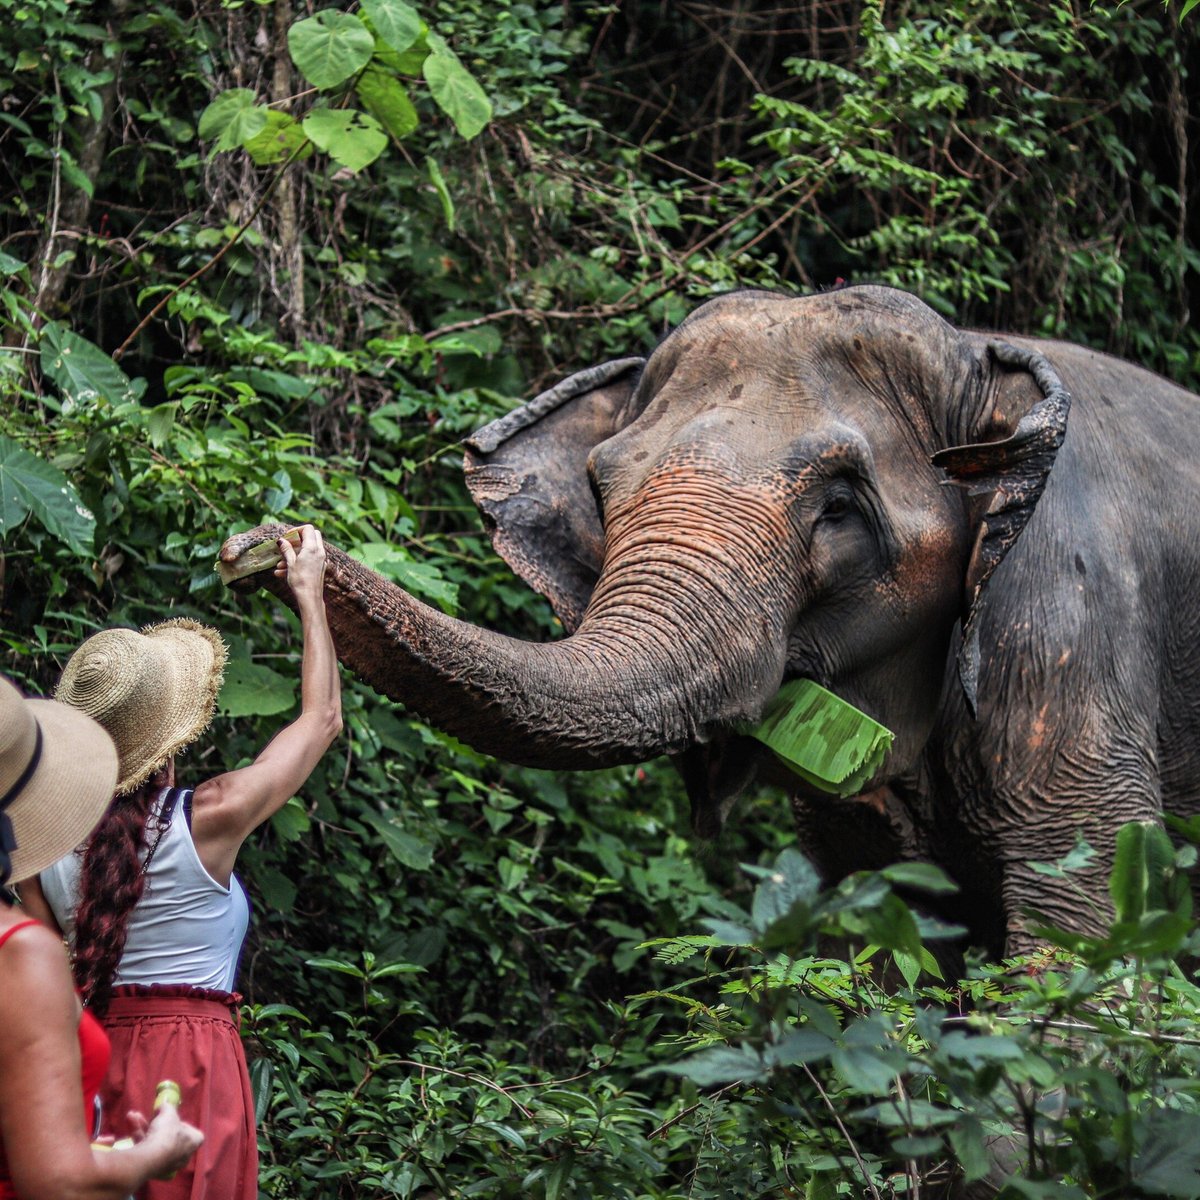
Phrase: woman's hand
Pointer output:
(174, 1139)
(304, 569)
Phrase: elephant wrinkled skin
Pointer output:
(991, 545)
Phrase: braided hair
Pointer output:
(110, 885)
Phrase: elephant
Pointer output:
(989, 544)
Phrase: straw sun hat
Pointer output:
(57, 773)
(153, 691)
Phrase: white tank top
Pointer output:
(186, 928)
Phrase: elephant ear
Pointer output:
(1005, 478)
(527, 472)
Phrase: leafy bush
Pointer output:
(1073, 1069)
(1071, 1072)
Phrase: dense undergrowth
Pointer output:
(464, 978)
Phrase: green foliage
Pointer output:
(370, 52)
(330, 48)
(1074, 1069)
(31, 487)
(952, 130)
(820, 737)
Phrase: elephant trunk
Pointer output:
(652, 669)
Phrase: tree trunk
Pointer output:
(287, 206)
(70, 206)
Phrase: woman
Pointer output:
(57, 770)
(152, 908)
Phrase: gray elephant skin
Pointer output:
(989, 544)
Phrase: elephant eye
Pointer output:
(838, 505)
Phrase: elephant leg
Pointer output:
(1083, 785)
(1065, 741)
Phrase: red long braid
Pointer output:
(110, 885)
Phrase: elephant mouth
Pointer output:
(718, 772)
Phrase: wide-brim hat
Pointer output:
(58, 769)
(154, 691)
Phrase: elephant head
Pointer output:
(764, 497)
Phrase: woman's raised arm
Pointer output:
(226, 808)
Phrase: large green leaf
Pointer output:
(396, 22)
(291, 822)
(924, 877)
(791, 884)
(279, 138)
(804, 1045)
(275, 888)
(719, 1064)
(1142, 866)
(349, 137)
(260, 1087)
(457, 94)
(410, 851)
(867, 1059)
(232, 119)
(330, 48)
(967, 1140)
(825, 740)
(81, 371)
(74, 174)
(30, 486)
(252, 690)
(387, 100)
(889, 924)
(1167, 1158)
(1154, 933)
(406, 63)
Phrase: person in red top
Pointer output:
(57, 772)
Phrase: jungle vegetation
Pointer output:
(265, 260)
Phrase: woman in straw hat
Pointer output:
(152, 908)
(57, 770)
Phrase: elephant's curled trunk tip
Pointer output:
(252, 552)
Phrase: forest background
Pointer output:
(261, 262)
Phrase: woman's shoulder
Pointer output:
(18, 930)
(34, 957)
(39, 1007)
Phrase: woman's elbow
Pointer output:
(331, 724)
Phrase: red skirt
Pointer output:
(190, 1035)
